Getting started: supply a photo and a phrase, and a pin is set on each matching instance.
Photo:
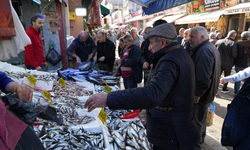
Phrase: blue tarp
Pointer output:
(161, 5)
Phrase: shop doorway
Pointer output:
(233, 24)
(247, 24)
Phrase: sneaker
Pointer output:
(225, 91)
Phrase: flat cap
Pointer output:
(244, 43)
(166, 30)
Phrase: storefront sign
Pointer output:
(212, 5)
(181, 8)
(237, 11)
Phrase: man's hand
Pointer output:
(78, 59)
(45, 64)
(118, 61)
(91, 55)
(151, 66)
(97, 100)
(196, 99)
(101, 59)
(24, 92)
(145, 65)
(39, 68)
(223, 81)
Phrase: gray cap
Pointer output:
(166, 30)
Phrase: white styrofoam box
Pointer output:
(99, 129)
(20, 81)
(41, 85)
(84, 112)
(88, 86)
(83, 99)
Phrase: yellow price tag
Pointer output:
(103, 116)
(96, 69)
(32, 79)
(104, 81)
(62, 82)
(47, 96)
(107, 89)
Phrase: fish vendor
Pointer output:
(168, 96)
(14, 133)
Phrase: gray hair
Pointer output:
(128, 37)
(201, 31)
(187, 30)
(82, 32)
(245, 35)
(212, 28)
(212, 35)
(134, 28)
(218, 34)
(169, 41)
(232, 33)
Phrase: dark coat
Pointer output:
(146, 53)
(171, 85)
(134, 61)
(228, 51)
(106, 49)
(241, 59)
(207, 71)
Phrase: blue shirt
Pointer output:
(4, 80)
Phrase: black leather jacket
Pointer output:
(207, 71)
(172, 84)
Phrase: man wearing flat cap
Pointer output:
(168, 96)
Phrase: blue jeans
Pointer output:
(237, 84)
(32, 68)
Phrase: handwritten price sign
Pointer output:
(107, 88)
(62, 82)
(32, 79)
(103, 116)
(47, 96)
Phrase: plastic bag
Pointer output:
(28, 111)
(53, 57)
(210, 114)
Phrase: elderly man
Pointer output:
(185, 41)
(219, 36)
(136, 38)
(228, 51)
(240, 61)
(213, 30)
(207, 75)
(168, 97)
(82, 47)
(111, 37)
(105, 52)
(130, 67)
(34, 55)
(180, 36)
(212, 38)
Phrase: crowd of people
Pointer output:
(181, 78)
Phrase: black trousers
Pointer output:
(29, 141)
(129, 82)
(227, 72)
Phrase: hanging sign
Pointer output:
(212, 5)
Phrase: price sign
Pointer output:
(107, 89)
(104, 81)
(103, 116)
(96, 69)
(32, 79)
(62, 82)
(47, 96)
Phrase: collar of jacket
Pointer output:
(157, 55)
(229, 38)
(198, 46)
(34, 30)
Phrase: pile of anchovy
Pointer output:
(46, 77)
(71, 89)
(60, 138)
(128, 135)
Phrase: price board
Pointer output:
(103, 116)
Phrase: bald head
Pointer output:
(83, 36)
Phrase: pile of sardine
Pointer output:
(99, 88)
(60, 138)
(128, 135)
(71, 89)
(66, 108)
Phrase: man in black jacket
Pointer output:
(207, 74)
(130, 63)
(240, 61)
(228, 51)
(168, 96)
(106, 52)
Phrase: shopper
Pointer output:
(82, 48)
(207, 62)
(181, 35)
(15, 134)
(228, 51)
(111, 37)
(130, 67)
(212, 38)
(240, 61)
(34, 55)
(185, 41)
(213, 30)
(219, 36)
(136, 38)
(168, 97)
(105, 52)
